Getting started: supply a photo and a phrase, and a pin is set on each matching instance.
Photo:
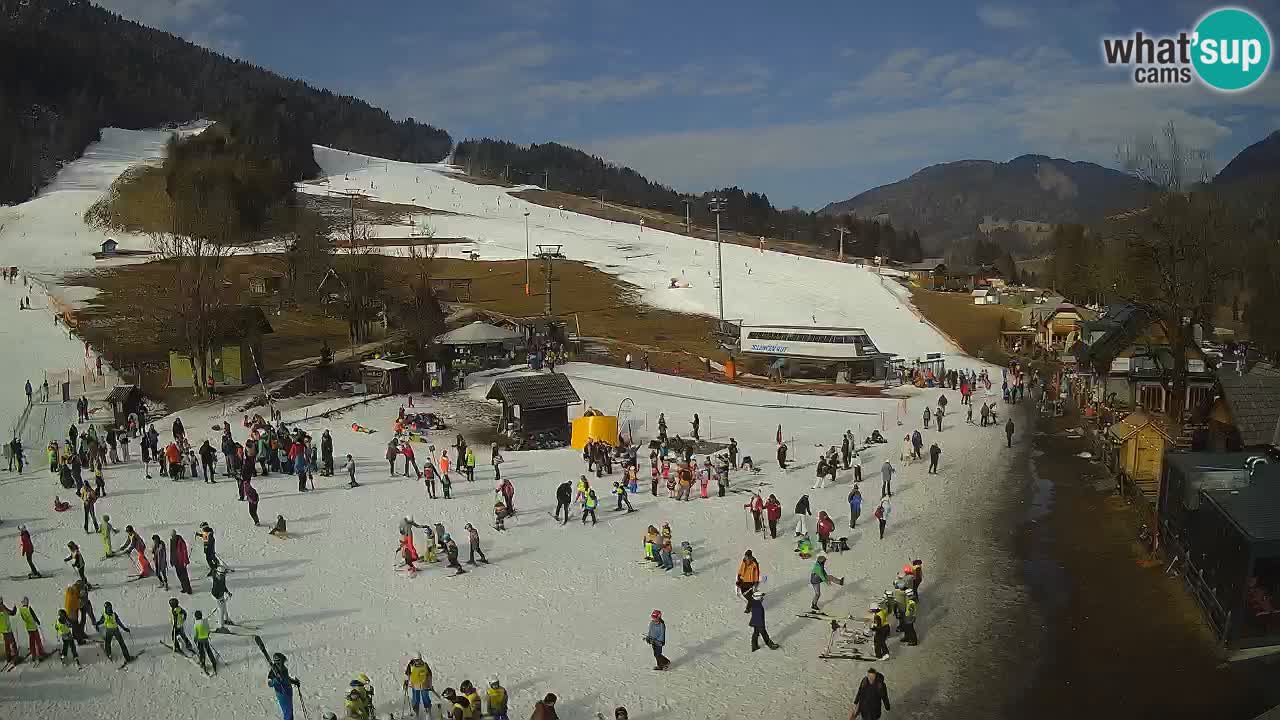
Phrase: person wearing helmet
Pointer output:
(417, 681)
(221, 594)
(366, 688)
(496, 696)
(473, 538)
(817, 576)
(657, 638)
(178, 634)
(879, 632)
(473, 708)
(356, 702)
(907, 623)
(283, 684)
(620, 713)
(458, 704)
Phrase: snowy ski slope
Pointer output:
(561, 609)
(768, 287)
(46, 236)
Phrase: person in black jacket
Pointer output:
(564, 494)
(802, 516)
(326, 454)
(207, 457)
(873, 693)
(782, 456)
(756, 608)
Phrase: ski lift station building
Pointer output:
(811, 351)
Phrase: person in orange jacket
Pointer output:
(172, 456)
(748, 573)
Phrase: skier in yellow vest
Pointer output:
(31, 621)
(203, 648)
(62, 626)
(497, 697)
(473, 708)
(417, 683)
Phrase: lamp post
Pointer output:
(717, 206)
(526, 252)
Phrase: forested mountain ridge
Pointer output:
(69, 68)
(1260, 159)
(948, 202)
(570, 170)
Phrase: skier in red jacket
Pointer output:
(179, 558)
(27, 549)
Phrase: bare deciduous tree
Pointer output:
(1179, 248)
(204, 234)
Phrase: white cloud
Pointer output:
(915, 109)
(1004, 17)
(519, 72)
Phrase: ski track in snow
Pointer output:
(562, 609)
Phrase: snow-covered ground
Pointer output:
(31, 344)
(47, 237)
(760, 287)
(561, 609)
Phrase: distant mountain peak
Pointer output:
(1260, 158)
(948, 202)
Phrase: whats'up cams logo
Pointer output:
(1229, 50)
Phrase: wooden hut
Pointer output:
(1139, 442)
(535, 403)
(385, 376)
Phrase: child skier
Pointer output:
(686, 557)
(178, 633)
(203, 649)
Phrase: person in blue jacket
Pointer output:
(283, 685)
(657, 638)
(855, 506)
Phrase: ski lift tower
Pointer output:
(548, 253)
(352, 197)
(717, 206)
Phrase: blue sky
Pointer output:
(811, 102)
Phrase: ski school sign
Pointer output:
(1229, 50)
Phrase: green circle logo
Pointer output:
(1231, 49)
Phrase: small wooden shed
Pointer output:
(123, 400)
(536, 403)
(1139, 441)
(385, 376)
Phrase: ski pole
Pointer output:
(303, 704)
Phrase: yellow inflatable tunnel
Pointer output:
(594, 427)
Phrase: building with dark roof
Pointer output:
(1220, 515)
(1127, 362)
(535, 404)
(1245, 412)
